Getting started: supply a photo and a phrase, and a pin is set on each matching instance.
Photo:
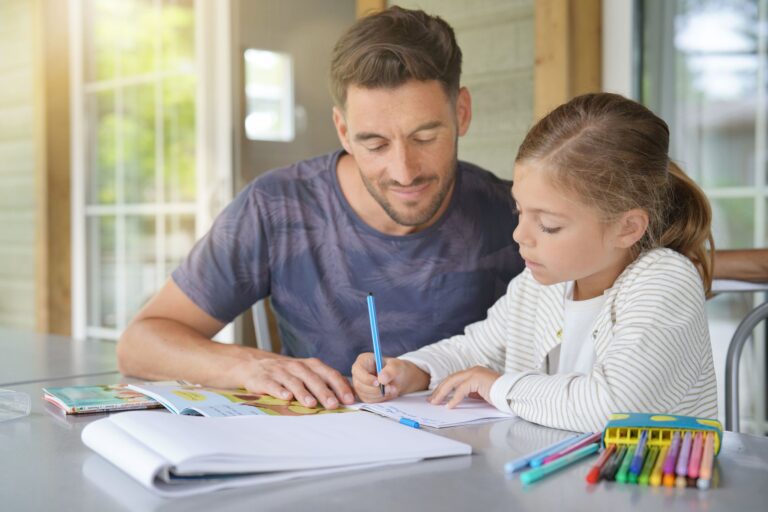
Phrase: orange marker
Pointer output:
(707, 461)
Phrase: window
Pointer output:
(141, 193)
(705, 71)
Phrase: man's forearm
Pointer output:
(742, 265)
(161, 349)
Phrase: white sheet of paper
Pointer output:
(415, 407)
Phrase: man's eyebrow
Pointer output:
(430, 125)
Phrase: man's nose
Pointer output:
(405, 166)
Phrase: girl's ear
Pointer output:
(631, 227)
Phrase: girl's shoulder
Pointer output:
(660, 269)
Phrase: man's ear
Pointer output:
(463, 110)
(341, 129)
(632, 225)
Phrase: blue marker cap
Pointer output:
(409, 422)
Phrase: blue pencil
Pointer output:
(375, 337)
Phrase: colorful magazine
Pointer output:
(102, 398)
(213, 402)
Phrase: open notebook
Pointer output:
(416, 408)
(184, 455)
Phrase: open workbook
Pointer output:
(183, 455)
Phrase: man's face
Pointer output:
(404, 143)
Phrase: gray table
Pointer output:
(44, 466)
(29, 357)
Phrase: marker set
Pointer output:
(658, 450)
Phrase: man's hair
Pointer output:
(393, 46)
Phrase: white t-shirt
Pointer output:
(577, 348)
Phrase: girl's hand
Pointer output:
(398, 377)
(475, 382)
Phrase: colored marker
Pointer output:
(538, 461)
(375, 336)
(658, 468)
(682, 461)
(622, 475)
(694, 464)
(532, 475)
(410, 422)
(609, 470)
(595, 471)
(637, 460)
(650, 463)
(521, 462)
(707, 461)
(565, 451)
(669, 463)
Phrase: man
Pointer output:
(394, 214)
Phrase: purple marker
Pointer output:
(674, 448)
(682, 460)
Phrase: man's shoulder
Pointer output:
(296, 175)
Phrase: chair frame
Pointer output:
(740, 337)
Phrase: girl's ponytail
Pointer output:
(687, 226)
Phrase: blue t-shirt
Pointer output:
(292, 235)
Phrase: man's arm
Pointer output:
(170, 338)
(742, 265)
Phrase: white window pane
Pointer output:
(733, 222)
(101, 271)
(179, 139)
(179, 239)
(140, 262)
(137, 137)
(101, 128)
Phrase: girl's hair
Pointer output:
(612, 152)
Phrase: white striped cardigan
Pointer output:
(651, 340)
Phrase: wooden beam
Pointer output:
(53, 259)
(568, 54)
(366, 7)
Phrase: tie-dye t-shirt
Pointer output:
(292, 235)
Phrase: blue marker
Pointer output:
(636, 465)
(539, 461)
(410, 422)
(375, 337)
(521, 462)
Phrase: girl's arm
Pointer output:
(482, 344)
(658, 359)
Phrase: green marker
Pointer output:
(650, 461)
(622, 474)
(534, 474)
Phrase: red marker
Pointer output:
(594, 473)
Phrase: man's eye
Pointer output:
(376, 149)
(425, 141)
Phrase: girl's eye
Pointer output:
(549, 231)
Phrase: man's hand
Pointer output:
(475, 382)
(308, 381)
(397, 376)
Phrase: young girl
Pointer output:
(609, 314)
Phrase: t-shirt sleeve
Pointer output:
(227, 270)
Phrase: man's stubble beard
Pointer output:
(428, 212)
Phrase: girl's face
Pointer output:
(562, 239)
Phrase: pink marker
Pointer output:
(584, 442)
(694, 463)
